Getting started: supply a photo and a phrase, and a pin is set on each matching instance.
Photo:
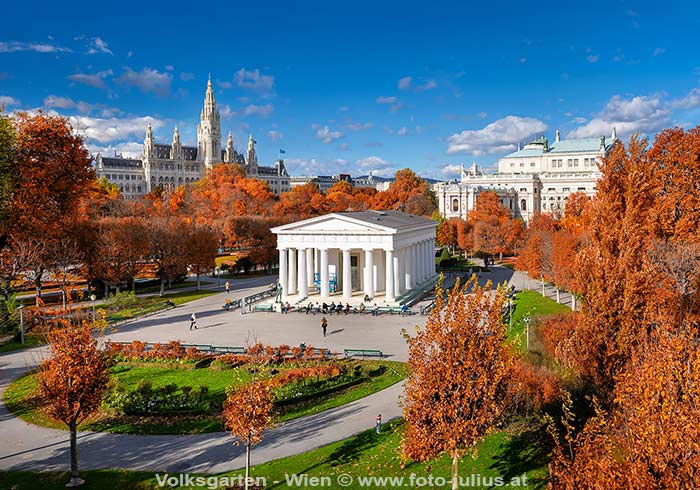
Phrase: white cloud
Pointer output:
(386, 100)
(96, 80)
(659, 51)
(14, 46)
(407, 83)
(224, 84)
(170, 67)
(451, 170)
(403, 131)
(274, 135)
(328, 136)
(258, 110)
(499, 136)
(358, 126)
(147, 80)
(226, 112)
(344, 146)
(689, 101)
(312, 166)
(105, 130)
(376, 165)
(129, 149)
(186, 76)
(6, 100)
(482, 115)
(643, 114)
(99, 46)
(253, 79)
(53, 101)
(592, 58)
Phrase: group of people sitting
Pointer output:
(328, 309)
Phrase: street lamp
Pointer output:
(21, 323)
(527, 321)
(93, 298)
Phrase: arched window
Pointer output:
(455, 205)
(523, 205)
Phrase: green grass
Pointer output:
(22, 399)
(152, 304)
(533, 304)
(509, 453)
(30, 340)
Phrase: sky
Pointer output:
(356, 86)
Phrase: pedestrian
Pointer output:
(324, 325)
(193, 321)
(287, 307)
(228, 287)
(375, 310)
(378, 423)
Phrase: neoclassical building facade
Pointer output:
(169, 166)
(381, 254)
(533, 179)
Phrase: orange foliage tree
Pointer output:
(73, 381)
(493, 230)
(459, 372)
(247, 414)
(409, 193)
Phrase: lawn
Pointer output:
(508, 454)
(30, 340)
(22, 400)
(534, 305)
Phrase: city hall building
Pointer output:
(169, 166)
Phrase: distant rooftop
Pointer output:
(579, 145)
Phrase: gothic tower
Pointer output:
(229, 149)
(176, 149)
(251, 159)
(209, 130)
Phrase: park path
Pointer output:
(29, 447)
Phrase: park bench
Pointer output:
(229, 350)
(268, 308)
(363, 353)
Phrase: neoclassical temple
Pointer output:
(385, 255)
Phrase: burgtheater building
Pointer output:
(536, 178)
(386, 255)
(169, 166)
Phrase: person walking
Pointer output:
(228, 287)
(324, 325)
(378, 423)
(193, 321)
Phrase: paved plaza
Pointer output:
(30, 447)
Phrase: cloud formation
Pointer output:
(500, 136)
(6, 101)
(106, 130)
(14, 46)
(147, 80)
(376, 165)
(254, 80)
(327, 135)
(99, 46)
(407, 83)
(96, 80)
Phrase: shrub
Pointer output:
(531, 388)
(146, 400)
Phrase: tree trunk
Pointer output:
(106, 291)
(543, 292)
(455, 473)
(247, 463)
(197, 281)
(162, 285)
(133, 284)
(573, 301)
(75, 479)
(558, 297)
(37, 284)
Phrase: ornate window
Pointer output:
(523, 205)
(455, 205)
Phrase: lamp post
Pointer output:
(21, 323)
(93, 298)
(527, 321)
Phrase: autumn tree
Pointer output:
(201, 244)
(493, 230)
(302, 201)
(73, 381)
(458, 374)
(167, 249)
(408, 193)
(8, 174)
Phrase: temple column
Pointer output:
(283, 270)
(347, 275)
(397, 273)
(323, 269)
(408, 268)
(303, 284)
(389, 289)
(292, 281)
(369, 273)
(309, 267)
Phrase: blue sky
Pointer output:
(357, 86)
